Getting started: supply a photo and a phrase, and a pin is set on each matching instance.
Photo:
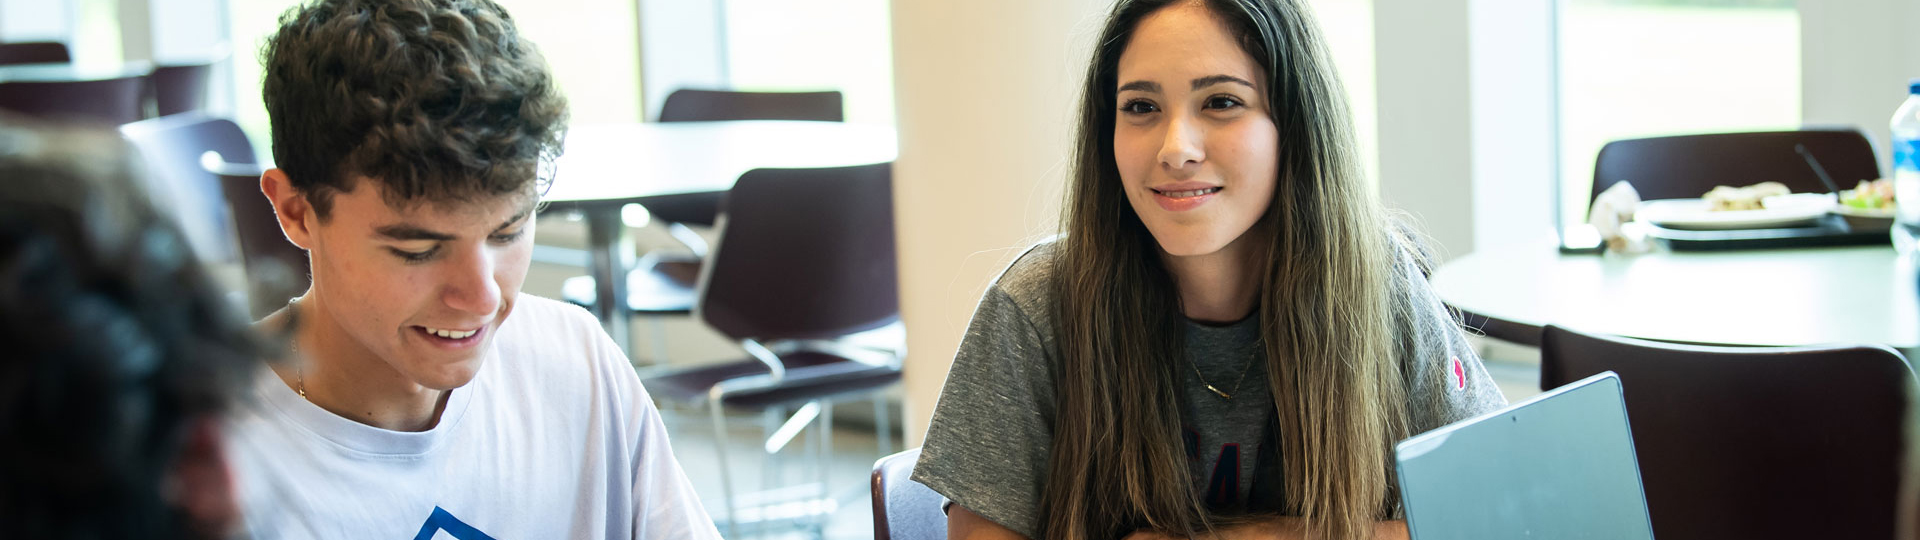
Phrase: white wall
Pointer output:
(1856, 58)
(167, 31)
(135, 24)
(682, 45)
(1426, 160)
(985, 92)
(1510, 74)
(188, 31)
(1348, 28)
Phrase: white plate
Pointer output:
(1878, 213)
(1781, 211)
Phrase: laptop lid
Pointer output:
(1558, 466)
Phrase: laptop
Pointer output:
(1558, 466)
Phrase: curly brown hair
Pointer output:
(437, 100)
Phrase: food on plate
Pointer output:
(1870, 195)
(1727, 198)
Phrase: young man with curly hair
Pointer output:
(428, 398)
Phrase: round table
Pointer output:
(1752, 297)
(54, 72)
(608, 166)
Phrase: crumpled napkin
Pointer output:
(1612, 217)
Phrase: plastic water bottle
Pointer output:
(1906, 171)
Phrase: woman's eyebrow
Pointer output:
(1211, 80)
(1143, 86)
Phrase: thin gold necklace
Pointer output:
(1236, 383)
(299, 371)
(293, 346)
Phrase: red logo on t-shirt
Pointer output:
(1459, 375)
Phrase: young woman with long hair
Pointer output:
(1231, 334)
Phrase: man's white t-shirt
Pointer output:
(553, 438)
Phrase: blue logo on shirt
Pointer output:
(441, 520)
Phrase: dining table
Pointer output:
(1748, 297)
(605, 167)
(68, 72)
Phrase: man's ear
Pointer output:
(290, 205)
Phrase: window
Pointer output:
(798, 45)
(589, 44)
(593, 48)
(253, 21)
(1642, 68)
(1347, 26)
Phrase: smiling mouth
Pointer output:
(1187, 193)
(449, 336)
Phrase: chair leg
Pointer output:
(659, 331)
(770, 421)
(882, 426)
(669, 415)
(811, 449)
(825, 436)
(726, 476)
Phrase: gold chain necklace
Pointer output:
(293, 347)
(1236, 383)
(299, 371)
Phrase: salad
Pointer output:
(1870, 195)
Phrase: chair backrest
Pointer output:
(902, 508)
(276, 268)
(693, 105)
(803, 254)
(172, 147)
(34, 52)
(696, 105)
(111, 101)
(179, 89)
(698, 208)
(1687, 166)
(1744, 442)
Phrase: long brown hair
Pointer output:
(1327, 312)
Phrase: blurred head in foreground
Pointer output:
(119, 352)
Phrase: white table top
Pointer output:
(613, 162)
(72, 72)
(1751, 297)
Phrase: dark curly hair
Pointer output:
(113, 343)
(438, 100)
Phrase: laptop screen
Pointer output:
(1558, 466)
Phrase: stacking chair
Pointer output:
(34, 52)
(110, 101)
(1500, 329)
(1743, 442)
(1687, 166)
(180, 88)
(805, 256)
(695, 105)
(692, 105)
(902, 508)
(175, 149)
(276, 268)
(662, 283)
